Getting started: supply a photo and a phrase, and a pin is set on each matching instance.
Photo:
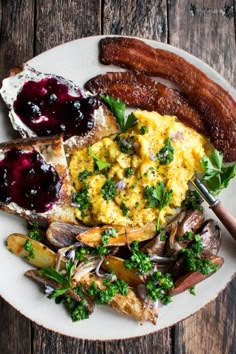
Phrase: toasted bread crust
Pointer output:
(53, 152)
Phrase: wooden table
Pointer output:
(203, 28)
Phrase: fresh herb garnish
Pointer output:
(124, 209)
(143, 130)
(138, 260)
(107, 233)
(129, 172)
(82, 199)
(34, 232)
(166, 154)
(118, 109)
(103, 297)
(193, 261)
(84, 174)
(125, 145)
(29, 248)
(192, 290)
(193, 200)
(217, 175)
(109, 190)
(158, 287)
(158, 197)
(99, 163)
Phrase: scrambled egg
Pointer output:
(133, 164)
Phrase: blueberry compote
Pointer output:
(27, 180)
(47, 108)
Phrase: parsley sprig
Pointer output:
(158, 197)
(101, 165)
(118, 109)
(217, 174)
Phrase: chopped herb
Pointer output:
(100, 250)
(51, 273)
(124, 209)
(109, 190)
(143, 129)
(163, 236)
(82, 199)
(29, 248)
(187, 236)
(166, 154)
(217, 175)
(103, 297)
(138, 260)
(118, 109)
(136, 204)
(158, 287)
(193, 261)
(82, 253)
(99, 163)
(107, 233)
(157, 197)
(129, 172)
(192, 290)
(193, 200)
(125, 145)
(34, 232)
(84, 174)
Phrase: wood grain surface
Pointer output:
(203, 28)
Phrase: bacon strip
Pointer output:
(216, 105)
(138, 90)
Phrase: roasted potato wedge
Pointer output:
(129, 305)
(116, 264)
(125, 235)
(41, 256)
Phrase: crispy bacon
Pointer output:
(216, 105)
(140, 91)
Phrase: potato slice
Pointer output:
(93, 236)
(116, 264)
(43, 256)
(129, 305)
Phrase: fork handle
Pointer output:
(225, 217)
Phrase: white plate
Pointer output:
(78, 61)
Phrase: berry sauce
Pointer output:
(27, 180)
(47, 108)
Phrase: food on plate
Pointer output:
(40, 105)
(112, 219)
(159, 152)
(34, 180)
(140, 91)
(215, 104)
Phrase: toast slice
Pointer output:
(45, 104)
(34, 180)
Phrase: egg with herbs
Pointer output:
(138, 176)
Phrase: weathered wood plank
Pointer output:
(16, 33)
(15, 331)
(159, 342)
(147, 19)
(59, 21)
(16, 47)
(45, 341)
(206, 29)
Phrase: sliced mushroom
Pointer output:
(157, 244)
(191, 223)
(61, 234)
(210, 237)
